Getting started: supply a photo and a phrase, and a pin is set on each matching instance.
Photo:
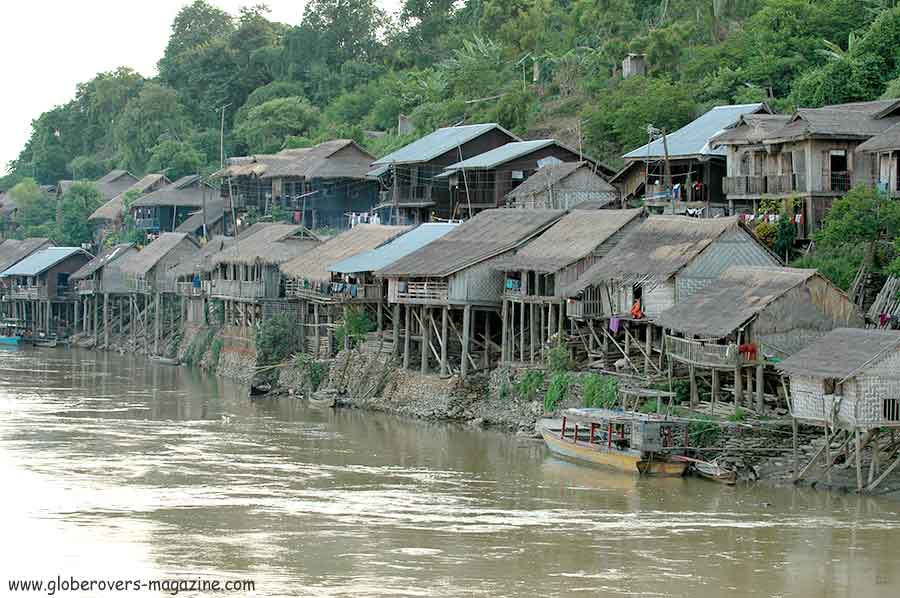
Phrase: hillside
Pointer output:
(538, 67)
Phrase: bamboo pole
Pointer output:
(504, 331)
(445, 316)
(395, 350)
(406, 339)
(467, 325)
(425, 325)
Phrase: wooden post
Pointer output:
(504, 332)
(317, 323)
(380, 318)
(670, 368)
(532, 331)
(859, 480)
(445, 317)
(106, 320)
(737, 388)
(542, 330)
(649, 343)
(486, 360)
(156, 324)
(522, 332)
(96, 317)
(561, 321)
(467, 326)
(395, 350)
(750, 387)
(77, 309)
(406, 339)
(795, 448)
(550, 321)
(695, 394)
(425, 319)
(328, 333)
(828, 460)
(760, 389)
(714, 394)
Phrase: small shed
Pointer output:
(565, 186)
(849, 381)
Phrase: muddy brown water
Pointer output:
(116, 467)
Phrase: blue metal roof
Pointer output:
(504, 153)
(693, 138)
(439, 142)
(375, 259)
(41, 261)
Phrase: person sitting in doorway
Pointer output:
(636, 311)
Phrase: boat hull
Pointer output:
(602, 456)
(10, 340)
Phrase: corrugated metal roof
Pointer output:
(369, 261)
(377, 172)
(42, 260)
(103, 259)
(842, 353)
(693, 138)
(441, 141)
(504, 153)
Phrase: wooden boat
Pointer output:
(10, 339)
(631, 442)
(713, 471)
(322, 399)
(259, 388)
(165, 360)
(11, 332)
(46, 343)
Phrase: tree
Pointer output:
(77, 204)
(35, 210)
(175, 158)
(269, 124)
(87, 168)
(150, 118)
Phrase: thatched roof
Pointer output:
(573, 237)
(268, 244)
(732, 300)
(111, 184)
(842, 353)
(655, 251)
(339, 158)
(750, 129)
(14, 250)
(489, 234)
(187, 191)
(104, 258)
(144, 260)
(202, 260)
(215, 211)
(113, 209)
(314, 264)
(548, 176)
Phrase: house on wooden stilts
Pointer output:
(326, 297)
(152, 295)
(191, 281)
(663, 261)
(101, 285)
(848, 382)
(745, 319)
(455, 277)
(39, 287)
(534, 306)
(13, 251)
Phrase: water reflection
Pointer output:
(121, 465)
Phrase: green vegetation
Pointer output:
(215, 352)
(557, 391)
(277, 338)
(198, 346)
(529, 385)
(704, 431)
(355, 325)
(559, 359)
(600, 391)
(739, 415)
(536, 66)
(313, 371)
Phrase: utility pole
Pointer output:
(203, 209)
(222, 137)
(668, 176)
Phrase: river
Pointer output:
(115, 467)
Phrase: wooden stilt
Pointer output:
(445, 316)
(695, 394)
(649, 342)
(859, 479)
(522, 332)
(794, 446)
(542, 330)
(828, 460)
(737, 389)
(407, 338)
(873, 465)
(467, 326)
(760, 389)
(532, 332)
(380, 317)
(561, 323)
(425, 320)
(486, 356)
(156, 316)
(395, 350)
(714, 395)
(317, 322)
(504, 331)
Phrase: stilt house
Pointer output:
(102, 282)
(455, 276)
(664, 261)
(13, 251)
(564, 186)
(166, 208)
(769, 312)
(534, 305)
(39, 285)
(849, 381)
(323, 294)
(112, 214)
